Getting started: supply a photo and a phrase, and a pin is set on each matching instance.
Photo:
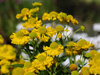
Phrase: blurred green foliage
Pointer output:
(86, 11)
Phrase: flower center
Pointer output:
(29, 73)
(33, 34)
(27, 64)
(18, 71)
(24, 11)
(41, 58)
(53, 45)
(19, 34)
(59, 28)
(32, 20)
(42, 30)
(63, 15)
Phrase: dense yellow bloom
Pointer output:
(44, 38)
(4, 66)
(82, 28)
(37, 4)
(69, 18)
(32, 22)
(54, 49)
(7, 52)
(18, 71)
(29, 68)
(50, 16)
(24, 13)
(74, 22)
(1, 39)
(84, 44)
(59, 35)
(53, 15)
(42, 61)
(84, 71)
(45, 16)
(44, 33)
(51, 31)
(59, 28)
(95, 64)
(68, 51)
(32, 11)
(61, 16)
(20, 38)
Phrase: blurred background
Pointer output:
(87, 12)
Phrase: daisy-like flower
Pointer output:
(37, 4)
(29, 69)
(50, 16)
(32, 22)
(44, 34)
(61, 16)
(54, 49)
(84, 44)
(4, 66)
(24, 13)
(7, 52)
(94, 64)
(20, 37)
(42, 61)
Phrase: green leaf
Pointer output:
(17, 65)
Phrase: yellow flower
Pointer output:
(4, 66)
(53, 15)
(28, 68)
(54, 49)
(94, 64)
(24, 13)
(44, 38)
(7, 52)
(42, 61)
(32, 11)
(32, 22)
(33, 34)
(37, 4)
(84, 44)
(69, 18)
(1, 39)
(76, 49)
(59, 28)
(4, 69)
(61, 16)
(45, 16)
(82, 28)
(59, 35)
(74, 22)
(51, 31)
(44, 34)
(84, 71)
(19, 38)
(18, 71)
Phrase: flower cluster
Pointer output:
(46, 56)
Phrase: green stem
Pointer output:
(74, 33)
(82, 60)
(74, 59)
(71, 56)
